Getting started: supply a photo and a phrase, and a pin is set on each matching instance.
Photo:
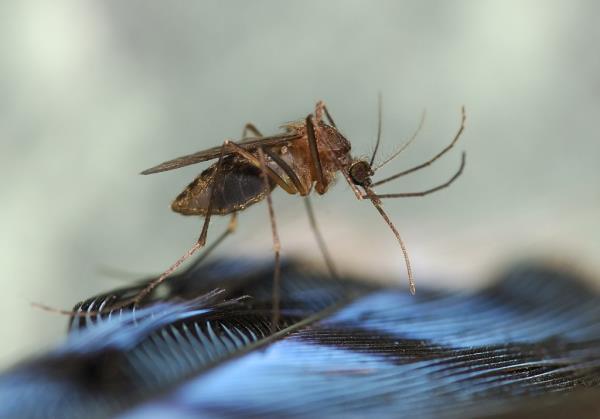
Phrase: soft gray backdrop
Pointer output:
(94, 92)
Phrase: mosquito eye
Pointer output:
(360, 172)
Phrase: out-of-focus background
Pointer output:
(94, 92)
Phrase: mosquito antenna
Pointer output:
(403, 146)
(377, 204)
(428, 162)
(379, 110)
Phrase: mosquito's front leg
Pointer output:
(430, 161)
(431, 190)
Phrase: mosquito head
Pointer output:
(360, 172)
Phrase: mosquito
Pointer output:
(306, 157)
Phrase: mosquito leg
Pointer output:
(199, 243)
(377, 203)
(276, 246)
(300, 188)
(320, 241)
(293, 177)
(314, 152)
(250, 127)
(320, 108)
(252, 159)
(311, 216)
(267, 171)
(231, 227)
(431, 190)
(227, 146)
(430, 161)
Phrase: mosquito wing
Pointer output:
(214, 152)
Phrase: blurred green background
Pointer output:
(94, 92)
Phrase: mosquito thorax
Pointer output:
(360, 172)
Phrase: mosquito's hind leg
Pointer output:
(320, 108)
(231, 147)
(198, 245)
(231, 227)
(251, 128)
(267, 171)
(276, 245)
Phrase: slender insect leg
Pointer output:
(377, 203)
(320, 241)
(276, 245)
(286, 186)
(231, 227)
(251, 128)
(320, 108)
(431, 190)
(233, 148)
(311, 216)
(309, 210)
(267, 171)
(311, 135)
(434, 158)
(199, 243)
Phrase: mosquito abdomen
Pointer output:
(238, 186)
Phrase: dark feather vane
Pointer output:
(205, 347)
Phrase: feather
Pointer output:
(204, 347)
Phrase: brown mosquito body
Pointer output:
(288, 165)
(306, 157)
